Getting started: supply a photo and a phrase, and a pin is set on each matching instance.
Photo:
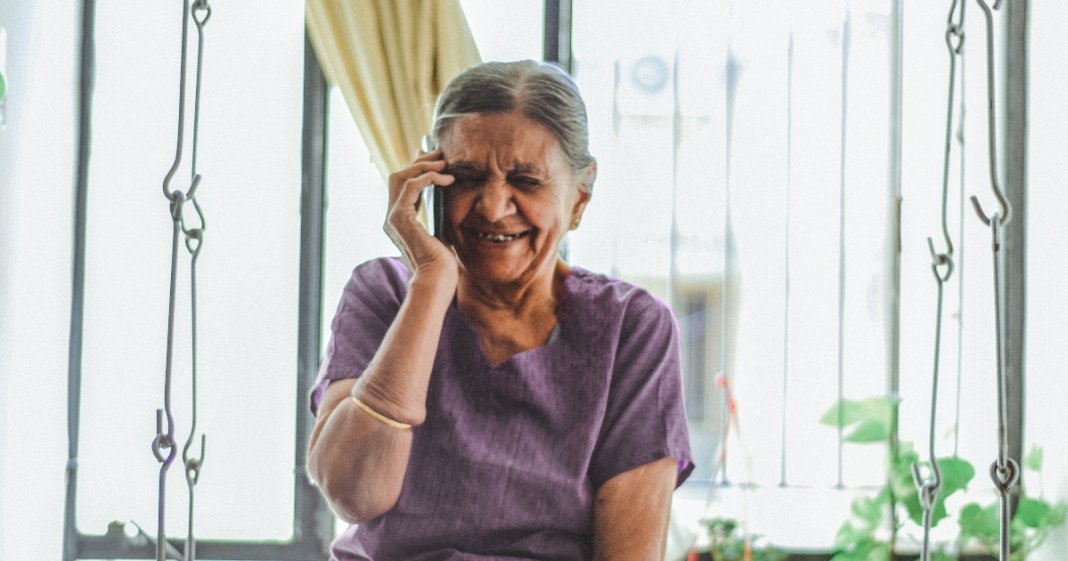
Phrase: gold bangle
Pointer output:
(380, 417)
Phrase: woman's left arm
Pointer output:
(630, 517)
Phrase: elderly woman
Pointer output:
(479, 398)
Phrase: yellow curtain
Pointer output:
(390, 58)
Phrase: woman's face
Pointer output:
(514, 198)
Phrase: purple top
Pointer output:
(510, 457)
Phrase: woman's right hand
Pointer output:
(425, 254)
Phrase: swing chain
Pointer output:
(928, 487)
(942, 267)
(193, 240)
(954, 42)
(1004, 472)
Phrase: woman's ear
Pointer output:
(587, 177)
(585, 192)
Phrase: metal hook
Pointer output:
(927, 491)
(940, 260)
(181, 106)
(954, 33)
(194, 463)
(1005, 215)
(194, 236)
(201, 12)
(164, 440)
(955, 29)
(928, 487)
(178, 200)
(1004, 477)
(954, 37)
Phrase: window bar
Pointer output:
(312, 521)
(786, 252)
(731, 85)
(556, 41)
(893, 295)
(673, 234)
(960, 252)
(556, 47)
(841, 237)
(86, 75)
(1014, 265)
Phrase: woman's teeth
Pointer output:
(496, 237)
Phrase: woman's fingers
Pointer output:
(434, 154)
(402, 223)
(415, 169)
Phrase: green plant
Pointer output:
(728, 545)
(871, 531)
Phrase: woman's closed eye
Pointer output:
(525, 182)
(466, 181)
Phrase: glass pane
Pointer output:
(506, 30)
(693, 124)
(966, 378)
(356, 201)
(1047, 243)
(247, 286)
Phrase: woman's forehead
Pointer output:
(505, 138)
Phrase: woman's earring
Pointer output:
(575, 223)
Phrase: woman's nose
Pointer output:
(495, 201)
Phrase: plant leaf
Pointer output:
(938, 513)
(979, 522)
(849, 536)
(852, 412)
(1033, 513)
(1034, 458)
(869, 430)
(956, 474)
(869, 509)
(878, 409)
(881, 553)
(1057, 514)
(912, 506)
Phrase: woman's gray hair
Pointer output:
(539, 91)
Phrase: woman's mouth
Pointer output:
(496, 237)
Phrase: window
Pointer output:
(747, 177)
(248, 279)
(727, 143)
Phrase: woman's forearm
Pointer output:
(358, 460)
(395, 383)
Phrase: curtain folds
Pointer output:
(390, 58)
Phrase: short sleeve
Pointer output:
(645, 419)
(368, 306)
